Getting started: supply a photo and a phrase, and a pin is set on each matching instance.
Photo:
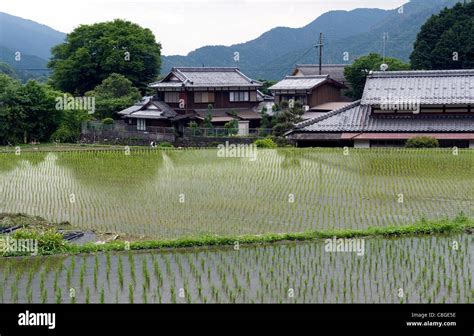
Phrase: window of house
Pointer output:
(171, 97)
(141, 124)
(204, 97)
(253, 96)
(239, 96)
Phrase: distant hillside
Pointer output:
(27, 36)
(27, 68)
(358, 32)
(33, 40)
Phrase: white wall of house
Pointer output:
(244, 128)
(361, 143)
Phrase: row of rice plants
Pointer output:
(191, 192)
(409, 270)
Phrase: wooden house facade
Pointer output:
(191, 93)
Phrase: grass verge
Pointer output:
(457, 225)
(460, 224)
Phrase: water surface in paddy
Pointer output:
(192, 192)
(426, 269)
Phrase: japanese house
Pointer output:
(335, 71)
(312, 92)
(191, 93)
(396, 106)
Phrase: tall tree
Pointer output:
(91, 53)
(357, 73)
(446, 41)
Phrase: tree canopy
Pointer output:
(357, 73)
(27, 112)
(446, 40)
(91, 53)
(287, 117)
(115, 93)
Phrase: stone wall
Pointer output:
(210, 141)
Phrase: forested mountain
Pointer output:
(357, 32)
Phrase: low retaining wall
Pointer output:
(210, 141)
(125, 138)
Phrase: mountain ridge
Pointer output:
(402, 29)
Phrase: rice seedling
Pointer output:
(233, 196)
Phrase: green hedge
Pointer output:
(422, 142)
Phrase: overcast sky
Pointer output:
(184, 25)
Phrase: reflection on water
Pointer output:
(189, 192)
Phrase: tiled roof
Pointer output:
(358, 118)
(148, 108)
(241, 113)
(299, 83)
(206, 77)
(335, 71)
(424, 87)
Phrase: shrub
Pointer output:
(165, 144)
(422, 142)
(49, 241)
(64, 134)
(108, 121)
(265, 143)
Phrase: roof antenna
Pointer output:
(384, 67)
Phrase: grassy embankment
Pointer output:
(50, 243)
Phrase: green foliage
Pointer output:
(49, 241)
(419, 228)
(108, 121)
(265, 143)
(208, 121)
(422, 142)
(265, 122)
(91, 53)
(232, 126)
(69, 129)
(27, 112)
(287, 117)
(165, 144)
(357, 73)
(442, 36)
(266, 84)
(114, 94)
(8, 70)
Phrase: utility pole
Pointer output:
(320, 45)
(385, 39)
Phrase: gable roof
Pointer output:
(203, 77)
(335, 71)
(424, 87)
(302, 83)
(147, 108)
